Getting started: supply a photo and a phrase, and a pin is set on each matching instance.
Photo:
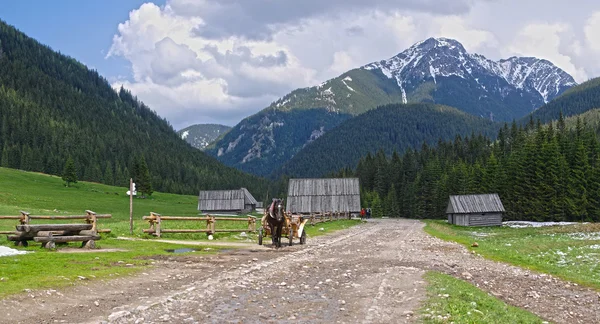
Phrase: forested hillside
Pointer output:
(388, 128)
(541, 173)
(574, 101)
(262, 142)
(53, 107)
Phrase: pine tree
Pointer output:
(144, 182)
(108, 174)
(69, 172)
(4, 157)
(391, 203)
(377, 206)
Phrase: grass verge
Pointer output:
(329, 227)
(568, 252)
(451, 300)
(41, 269)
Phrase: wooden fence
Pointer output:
(49, 234)
(156, 220)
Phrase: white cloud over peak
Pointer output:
(196, 61)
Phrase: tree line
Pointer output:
(541, 173)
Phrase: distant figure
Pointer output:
(362, 214)
(369, 213)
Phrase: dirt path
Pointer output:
(371, 273)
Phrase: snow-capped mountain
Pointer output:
(437, 70)
(443, 57)
(202, 135)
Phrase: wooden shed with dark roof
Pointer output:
(226, 201)
(475, 210)
(323, 195)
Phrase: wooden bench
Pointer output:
(50, 234)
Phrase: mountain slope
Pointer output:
(52, 107)
(268, 139)
(391, 128)
(436, 71)
(575, 101)
(202, 135)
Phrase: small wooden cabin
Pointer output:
(334, 195)
(226, 201)
(475, 210)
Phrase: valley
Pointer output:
(395, 144)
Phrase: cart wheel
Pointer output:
(260, 236)
(291, 235)
(303, 237)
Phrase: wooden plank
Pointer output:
(151, 230)
(10, 217)
(230, 230)
(63, 239)
(53, 227)
(178, 218)
(20, 237)
(9, 232)
(68, 217)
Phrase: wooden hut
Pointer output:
(226, 201)
(323, 195)
(475, 210)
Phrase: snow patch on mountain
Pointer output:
(443, 57)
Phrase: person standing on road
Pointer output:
(368, 212)
(362, 214)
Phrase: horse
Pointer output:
(276, 219)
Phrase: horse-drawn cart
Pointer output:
(291, 226)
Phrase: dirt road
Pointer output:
(371, 273)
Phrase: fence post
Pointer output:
(251, 224)
(24, 218)
(156, 223)
(91, 219)
(210, 224)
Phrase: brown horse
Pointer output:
(276, 219)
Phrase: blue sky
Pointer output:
(82, 29)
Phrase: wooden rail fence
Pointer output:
(50, 234)
(156, 220)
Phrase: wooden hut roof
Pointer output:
(249, 199)
(323, 195)
(225, 199)
(466, 204)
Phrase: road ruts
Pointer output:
(349, 277)
(371, 273)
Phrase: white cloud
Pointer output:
(545, 41)
(219, 61)
(592, 31)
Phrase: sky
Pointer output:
(219, 61)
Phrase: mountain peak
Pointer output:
(440, 57)
(440, 42)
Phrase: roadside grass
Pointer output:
(568, 252)
(329, 227)
(42, 269)
(452, 300)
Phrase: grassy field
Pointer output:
(451, 300)
(41, 194)
(569, 252)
